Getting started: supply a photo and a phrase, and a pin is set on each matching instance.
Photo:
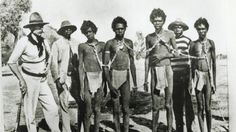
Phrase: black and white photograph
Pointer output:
(116, 66)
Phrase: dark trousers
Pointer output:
(182, 97)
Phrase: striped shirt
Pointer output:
(183, 45)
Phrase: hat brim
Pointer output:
(34, 24)
(62, 29)
(173, 24)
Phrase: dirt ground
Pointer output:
(140, 120)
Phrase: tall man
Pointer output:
(158, 59)
(91, 74)
(62, 52)
(34, 53)
(182, 87)
(203, 71)
(119, 57)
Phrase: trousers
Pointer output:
(38, 90)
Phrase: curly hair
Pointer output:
(157, 13)
(86, 25)
(118, 20)
(201, 21)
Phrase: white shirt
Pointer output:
(28, 53)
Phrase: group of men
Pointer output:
(174, 60)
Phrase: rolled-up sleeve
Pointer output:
(18, 50)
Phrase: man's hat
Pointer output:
(35, 19)
(65, 25)
(179, 23)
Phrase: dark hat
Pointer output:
(179, 23)
(65, 25)
(35, 19)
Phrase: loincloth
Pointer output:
(200, 79)
(161, 77)
(95, 81)
(119, 77)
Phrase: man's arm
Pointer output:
(146, 66)
(106, 69)
(81, 70)
(54, 62)
(132, 66)
(213, 57)
(12, 63)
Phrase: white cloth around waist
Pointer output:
(94, 80)
(118, 77)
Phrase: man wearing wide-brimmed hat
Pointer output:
(182, 78)
(61, 68)
(34, 53)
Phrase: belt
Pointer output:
(34, 74)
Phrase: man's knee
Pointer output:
(125, 109)
(168, 106)
(200, 108)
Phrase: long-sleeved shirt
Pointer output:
(61, 53)
(28, 53)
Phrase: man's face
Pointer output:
(90, 34)
(202, 30)
(68, 32)
(120, 30)
(158, 22)
(37, 29)
(178, 30)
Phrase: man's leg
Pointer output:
(178, 100)
(116, 113)
(50, 108)
(97, 109)
(168, 98)
(200, 107)
(189, 112)
(125, 98)
(30, 101)
(207, 94)
(156, 99)
(88, 110)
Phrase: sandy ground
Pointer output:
(138, 122)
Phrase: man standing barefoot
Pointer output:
(119, 57)
(158, 60)
(91, 74)
(204, 72)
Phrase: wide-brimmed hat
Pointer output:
(178, 23)
(65, 25)
(35, 19)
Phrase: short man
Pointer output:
(34, 53)
(119, 56)
(158, 59)
(203, 71)
(91, 74)
(182, 87)
(62, 52)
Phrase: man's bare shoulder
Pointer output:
(110, 41)
(82, 46)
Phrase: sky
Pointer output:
(136, 12)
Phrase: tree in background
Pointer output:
(11, 12)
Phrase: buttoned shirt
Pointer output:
(28, 53)
(61, 53)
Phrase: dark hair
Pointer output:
(201, 21)
(118, 20)
(157, 13)
(86, 25)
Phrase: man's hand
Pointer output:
(82, 94)
(59, 86)
(145, 86)
(23, 87)
(213, 89)
(114, 92)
